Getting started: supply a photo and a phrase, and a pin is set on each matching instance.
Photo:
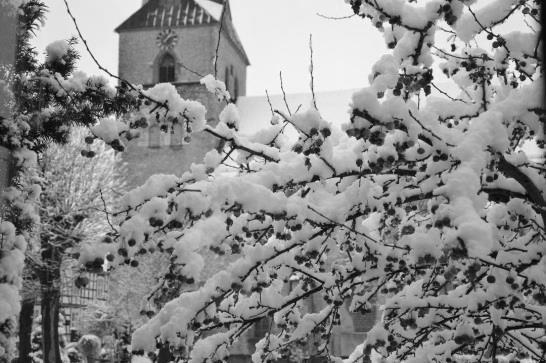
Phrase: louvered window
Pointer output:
(235, 90)
(154, 136)
(226, 79)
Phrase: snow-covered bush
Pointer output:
(90, 348)
(426, 203)
(130, 299)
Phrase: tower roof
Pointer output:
(173, 13)
(182, 13)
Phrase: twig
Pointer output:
(426, 128)
(219, 37)
(106, 211)
(446, 94)
(494, 23)
(228, 154)
(284, 94)
(343, 225)
(336, 17)
(241, 147)
(269, 102)
(530, 26)
(328, 165)
(191, 70)
(311, 66)
(105, 70)
(288, 119)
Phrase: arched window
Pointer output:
(177, 134)
(167, 69)
(262, 327)
(235, 90)
(363, 322)
(154, 136)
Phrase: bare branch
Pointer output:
(284, 94)
(311, 68)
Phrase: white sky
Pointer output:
(275, 35)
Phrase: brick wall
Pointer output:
(141, 161)
(7, 33)
(138, 56)
(139, 53)
(7, 57)
(195, 49)
(230, 57)
(198, 92)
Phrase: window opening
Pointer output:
(166, 69)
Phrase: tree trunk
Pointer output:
(50, 325)
(164, 355)
(51, 300)
(26, 319)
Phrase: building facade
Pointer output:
(177, 41)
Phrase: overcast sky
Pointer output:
(275, 35)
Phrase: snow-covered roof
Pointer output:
(213, 8)
(173, 13)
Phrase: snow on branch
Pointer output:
(423, 201)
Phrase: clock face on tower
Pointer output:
(166, 39)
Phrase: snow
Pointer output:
(216, 87)
(78, 82)
(9, 304)
(467, 27)
(189, 111)
(140, 359)
(230, 116)
(211, 7)
(108, 129)
(57, 50)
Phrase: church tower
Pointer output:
(176, 41)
